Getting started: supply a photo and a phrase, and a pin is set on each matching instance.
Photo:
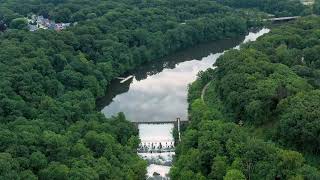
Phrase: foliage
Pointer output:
(270, 80)
(219, 150)
(299, 121)
(276, 7)
(316, 7)
(50, 128)
(19, 23)
(272, 83)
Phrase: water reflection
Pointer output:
(159, 90)
(194, 53)
(159, 93)
(156, 133)
(155, 67)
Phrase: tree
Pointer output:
(19, 23)
(316, 7)
(8, 167)
(38, 161)
(234, 174)
(83, 173)
(219, 168)
(61, 14)
(50, 125)
(28, 174)
(55, 171)
(299, 119)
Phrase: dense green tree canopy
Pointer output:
(276, 7)
(50, 128)
(19, 23)
(260, 107)
(299, 121)
(268, 81)
(218, 150)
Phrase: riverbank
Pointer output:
(157, 88)
(233, 133)
(50, 125)
(168, 61)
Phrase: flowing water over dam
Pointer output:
(158, 93)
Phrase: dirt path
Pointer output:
(204, 91)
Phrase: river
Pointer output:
(158, 92)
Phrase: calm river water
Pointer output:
(158, 91)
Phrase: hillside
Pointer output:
(50, 80)
(260, 110)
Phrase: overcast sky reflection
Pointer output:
(162, 96)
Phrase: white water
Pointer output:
(155, 134)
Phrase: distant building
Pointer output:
(33, 27)
(39, 22)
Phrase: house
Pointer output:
(33, 27)
(39, 22)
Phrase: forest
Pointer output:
(50, 126)
(260, 115)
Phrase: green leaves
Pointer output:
(299, 121)
(50, 81)
(8, 167)
(234, 174)
(19, 23)
(267, 85)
